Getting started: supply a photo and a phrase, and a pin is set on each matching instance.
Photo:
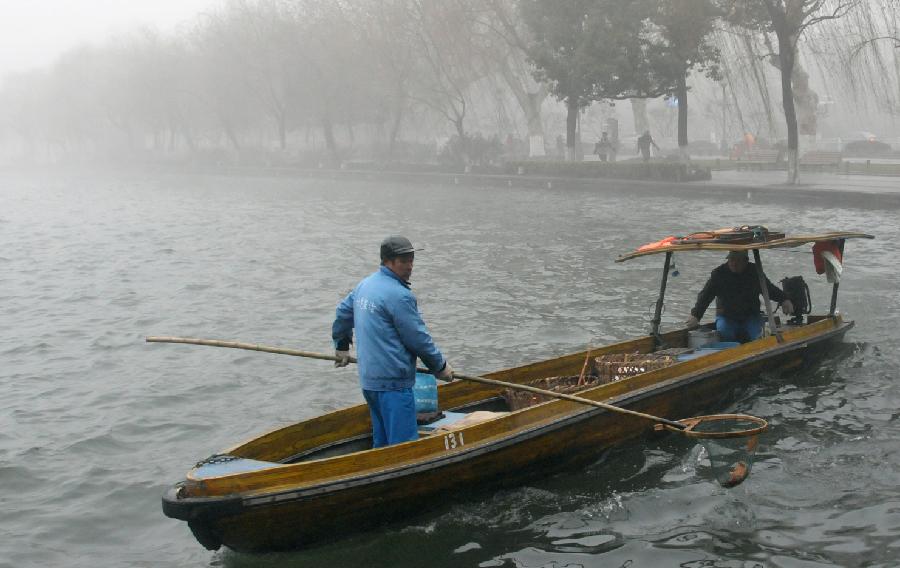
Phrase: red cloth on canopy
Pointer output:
(834, 247)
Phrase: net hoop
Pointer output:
(691, 423)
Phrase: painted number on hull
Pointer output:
(453, 439)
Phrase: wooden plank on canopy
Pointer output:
(787, 242)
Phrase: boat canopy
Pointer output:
(720, 240)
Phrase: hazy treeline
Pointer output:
(314, 80)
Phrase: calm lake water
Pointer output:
(95, 423)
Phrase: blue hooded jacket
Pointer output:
(390, 332)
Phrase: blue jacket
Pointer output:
(390, 332)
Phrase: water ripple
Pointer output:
(97, 423)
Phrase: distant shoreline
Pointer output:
(811, 194)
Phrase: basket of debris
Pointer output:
(517, 399)
(613, 367)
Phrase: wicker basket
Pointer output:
(617, 366)
(604, 369)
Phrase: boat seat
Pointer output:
(453, 421)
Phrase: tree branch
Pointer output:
(839, 11)
(862, 45)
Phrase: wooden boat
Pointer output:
(318, 479)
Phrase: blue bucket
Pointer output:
(425, 391)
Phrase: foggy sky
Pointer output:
(34, 33)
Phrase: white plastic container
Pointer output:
(700, 337)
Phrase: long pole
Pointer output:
(473, 378)
(765, 295)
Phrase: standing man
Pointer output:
(644, 142)
(735, 286)
(603, 147)
(390, 335)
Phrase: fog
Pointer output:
(325, 82)
(34, 34)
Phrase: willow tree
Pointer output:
(860, 55)
(787, 20)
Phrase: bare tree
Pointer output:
(501, 22)
(447, 66)
(386, 37)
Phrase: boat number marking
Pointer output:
(452, 440)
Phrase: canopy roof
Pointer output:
(676, 244)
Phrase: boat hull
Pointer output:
(296, 517)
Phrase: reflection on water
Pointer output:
(96, 423)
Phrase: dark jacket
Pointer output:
(737, 294)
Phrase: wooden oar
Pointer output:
(476, 379)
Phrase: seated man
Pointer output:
(735, 286)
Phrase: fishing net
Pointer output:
(730, 440)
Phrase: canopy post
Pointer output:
(657, 316)
(834, 288)
(765, 293)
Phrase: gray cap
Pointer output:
(395, 245)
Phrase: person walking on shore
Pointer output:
(644, 142)
(603, 147)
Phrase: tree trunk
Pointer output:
(530, 102)
(395, 125)
(230, 134)
(571, 128)
(188, 138)
(806, 100)
(463, 140)
(639, 112)
(786, 56)
(681, 93)
(535, 124)
(282, 133)
(330, 143)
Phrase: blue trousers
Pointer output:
(743, 330)
(393, 416)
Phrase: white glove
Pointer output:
(343, 358)
(445, 374)
(787, 307)
(692, 323)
